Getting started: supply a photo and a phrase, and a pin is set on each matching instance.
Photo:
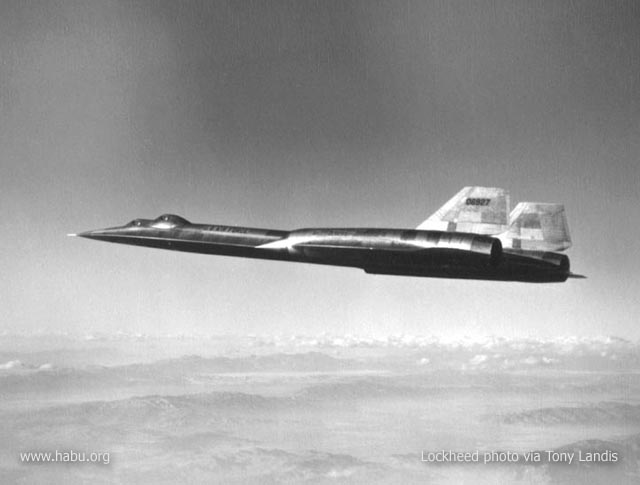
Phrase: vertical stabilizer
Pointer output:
(479, 210)
(537, 227)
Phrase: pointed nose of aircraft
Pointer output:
(135, 228)
(103, 234)
(162, 232)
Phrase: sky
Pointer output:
(288, 114)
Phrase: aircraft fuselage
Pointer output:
(404, 252)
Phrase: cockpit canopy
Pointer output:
(170, 220)
(164, 221)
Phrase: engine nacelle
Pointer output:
(473, 243)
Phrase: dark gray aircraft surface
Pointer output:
(473, 236)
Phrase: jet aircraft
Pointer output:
(472, 236)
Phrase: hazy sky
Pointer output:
(286, 114)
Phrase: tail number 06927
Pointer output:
(477, 201)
